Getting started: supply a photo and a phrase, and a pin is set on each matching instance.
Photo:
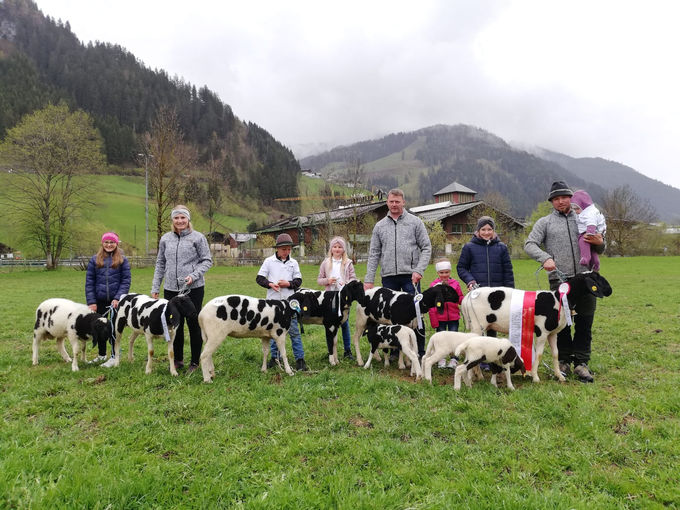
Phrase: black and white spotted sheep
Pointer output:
(386, 306)
(240, 316)
(390, 336)
(489, 308)
(144, 315)
(330, 308)
(62, 318)
(497, 352)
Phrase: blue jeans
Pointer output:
(448, 326)
(295, 339)
(399, 282)
(346, 336)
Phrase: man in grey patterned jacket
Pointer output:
(557, 233)
(401, 245)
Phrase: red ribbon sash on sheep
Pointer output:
(522, 315)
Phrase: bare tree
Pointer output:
(626, 214)
(50, 151)
(172, 158)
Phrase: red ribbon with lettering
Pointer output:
(528, 316)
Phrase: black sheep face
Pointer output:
(593, 283)
(100, 330)
(353, 291)
(185, 306)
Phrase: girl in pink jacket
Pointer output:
(448, 319)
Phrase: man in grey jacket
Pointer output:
(400, 245)
(557, 233)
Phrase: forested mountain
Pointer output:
(41, 60)
(424, 161)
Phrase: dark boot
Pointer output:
(301, 365)
(583, 373)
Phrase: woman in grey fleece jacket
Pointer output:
(183, 258)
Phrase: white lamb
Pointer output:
(497, 352)
(441, 345)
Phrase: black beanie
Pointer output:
(559, 189)
(485, 220)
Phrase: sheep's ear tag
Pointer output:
(417, 298)
(304, 308)
(170, 316)
(564, 288)
(594, 288)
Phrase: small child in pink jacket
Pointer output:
(590, 221)
(448, 319)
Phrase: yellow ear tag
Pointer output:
(594, 288)
(439, 303)
(171, 316)
(305, 308)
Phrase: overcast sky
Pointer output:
(582, 77)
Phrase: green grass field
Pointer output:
(343, 437)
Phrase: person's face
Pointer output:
(337, 250)
(283, 251)
(576, 208)
(395, 204)
(444, 274)
(109, 246)
(562, 204)
(486, 232)
(180, 222)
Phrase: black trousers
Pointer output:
(196, 296)
(576, 349)
(102, 309)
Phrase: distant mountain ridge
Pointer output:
(424, 161)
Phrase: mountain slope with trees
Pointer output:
(424, 161)
(42, 61)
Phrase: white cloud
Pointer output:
(586, 78)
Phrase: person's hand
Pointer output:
(471, 284)
(332, 280)
(368, 285)
(154, 295)
(275, 286)
(595, 239)
(188, 280)
(284, 283)
(549, 265)
(416, 277)
(92, 307)
(114, 303)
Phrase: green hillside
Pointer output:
(119, 206)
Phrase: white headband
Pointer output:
(443, 266)
(176, 212)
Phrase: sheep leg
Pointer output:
(131, 353)
(36, 347)
(408, 352)
(508, 379)
(265, 351)
(281, 344)
(149, 352)
(171, 357)
(493, 380)
(75, 346)
(331, 339)
(540, 345)
(370, 357)
(207, 366)
(460, 369)
(552, 340)
(61, 350)
(359, 328)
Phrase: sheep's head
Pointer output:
(352, 291)
(438, 295)
(511, 356)
(100, 329)
(591, 282)
(185, 306)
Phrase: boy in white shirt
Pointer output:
(280, 275)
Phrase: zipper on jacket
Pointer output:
(571, 245)
(108, 299)
(488, 266)
(179, 238)
(396, 255)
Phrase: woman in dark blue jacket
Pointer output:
(485, 260)
(108, 278)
